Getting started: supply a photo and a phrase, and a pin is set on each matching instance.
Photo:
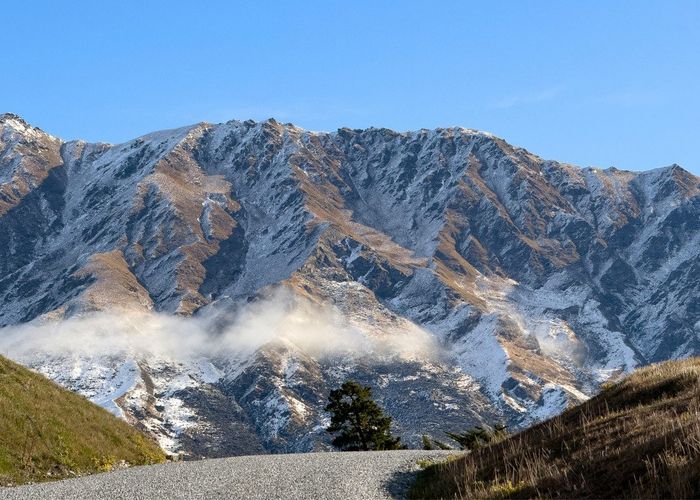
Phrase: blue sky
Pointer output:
(593, 83)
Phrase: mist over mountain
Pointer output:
(211, 284)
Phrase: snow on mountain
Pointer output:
(465, 279)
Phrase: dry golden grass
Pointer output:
(114, 287)
(637, 439)
(49, 433)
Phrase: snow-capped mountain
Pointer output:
(465, 279)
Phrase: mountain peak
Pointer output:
(11, 118)
(674, 174)
(19, 124)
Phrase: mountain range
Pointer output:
(211, 284)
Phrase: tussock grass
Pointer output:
(639, 438)
(49, 433)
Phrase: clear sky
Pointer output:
(589, 82)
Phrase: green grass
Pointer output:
(49, 433)
(639, 438)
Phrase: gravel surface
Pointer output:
(350, 475)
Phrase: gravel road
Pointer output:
(350, 475)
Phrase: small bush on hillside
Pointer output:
(434, 444)
(478, 436)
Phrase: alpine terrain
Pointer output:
(212, 284)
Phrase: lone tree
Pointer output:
(359, 422)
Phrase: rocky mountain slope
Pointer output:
(464, 278)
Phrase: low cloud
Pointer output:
(320, 331)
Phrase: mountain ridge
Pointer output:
(538, 279)
(7, 116)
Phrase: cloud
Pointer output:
(317, 330)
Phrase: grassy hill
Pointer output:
(49, 433)
(638, 438)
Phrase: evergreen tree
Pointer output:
(359, 422)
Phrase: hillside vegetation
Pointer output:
(49, 433)
(639, 438)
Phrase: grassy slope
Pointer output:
(48, 433)
(638, 438)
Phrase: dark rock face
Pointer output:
(537, 279)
